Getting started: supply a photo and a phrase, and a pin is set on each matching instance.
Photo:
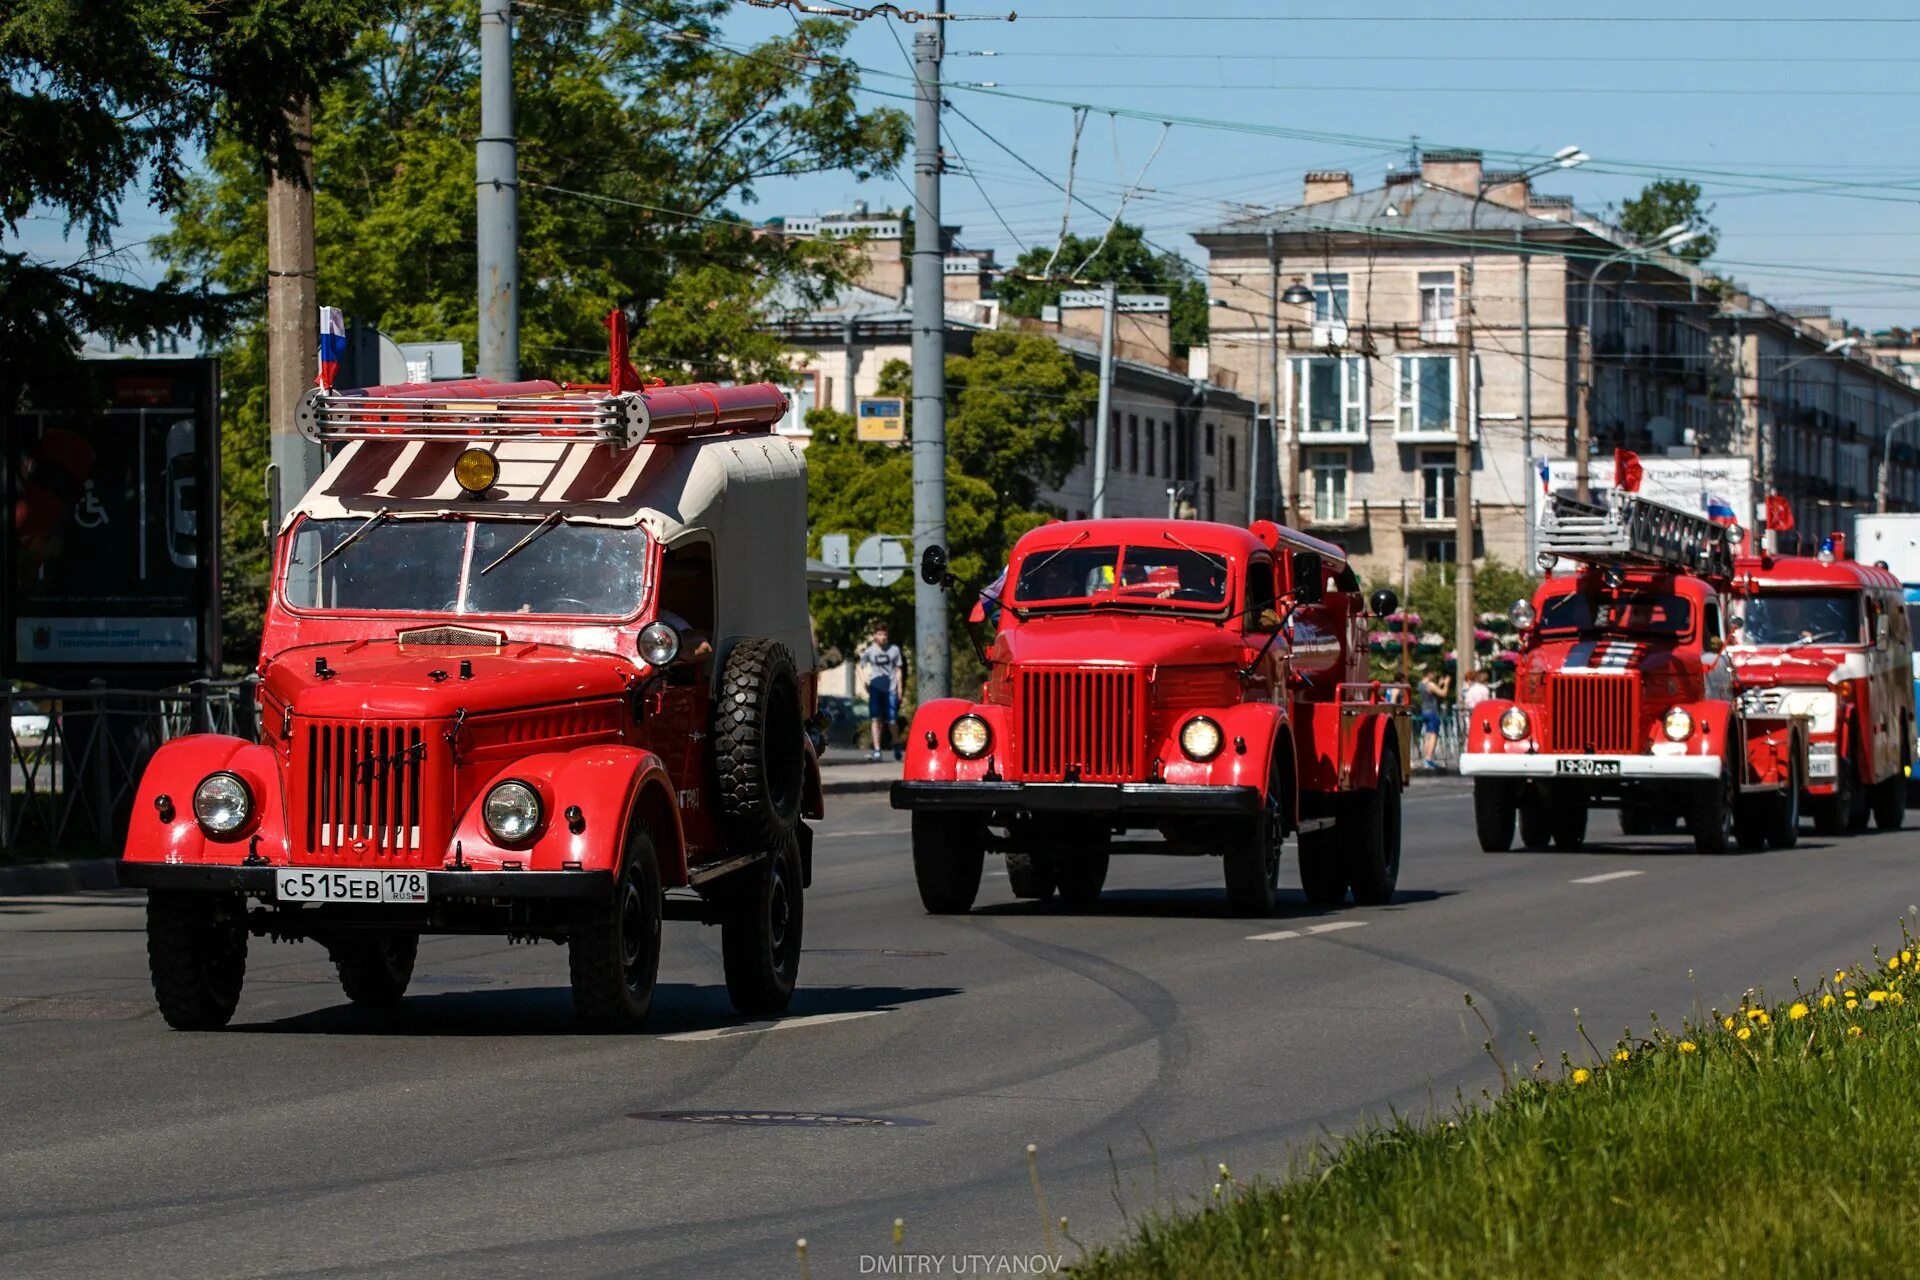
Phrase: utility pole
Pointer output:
(1110, 301)
(1466, 655)
(293, 322)
(1583, 421)
(497, 185)
(1526, 380)
(1288, 515)
(929, 362)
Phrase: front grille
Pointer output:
(1593, 713)
(372, 790)
(1085, 724)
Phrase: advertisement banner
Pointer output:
(1708, 486)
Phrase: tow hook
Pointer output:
(254, 857)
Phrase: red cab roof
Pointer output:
(1765, 571)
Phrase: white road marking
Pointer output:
(1310, 930)
(1610, 875)
(784, 1024)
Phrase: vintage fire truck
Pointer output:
(534, 657)
(1202, 681)
(1624, 695)
(1826, 638)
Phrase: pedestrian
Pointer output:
(1476, 691)
(885, 670)
(1434, 688)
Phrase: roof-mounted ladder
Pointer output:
(1631, 530)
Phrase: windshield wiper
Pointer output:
(1047, 559)
(384, 513)
(1184, 545)
(514, 550)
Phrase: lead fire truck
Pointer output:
(1202, 682)
(535, 657)
(1826, 638)
(1624, 694)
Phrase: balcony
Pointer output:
(1329, 333)
(1440, 332)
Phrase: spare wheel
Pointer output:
(757, 735)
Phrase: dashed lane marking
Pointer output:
(1603, 878)
(783, 1024)
(1309, 931)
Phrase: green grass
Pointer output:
(1793, 1152)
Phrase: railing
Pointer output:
(75, 756)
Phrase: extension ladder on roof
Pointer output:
(1632, 530)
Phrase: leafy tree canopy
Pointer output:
(1665, 202)
(1128, 260)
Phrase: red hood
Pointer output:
(383, 679)
(1664, 674)
(1761, 668)
(1120, 638)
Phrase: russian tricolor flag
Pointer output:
(1719, 510)
(1546, 485)
(333, 345)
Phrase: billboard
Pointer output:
(113, 529)
(1689, 484)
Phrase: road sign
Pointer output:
(882, 420)
(836, 550)
(880, 560)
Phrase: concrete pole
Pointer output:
(1466, 658)
(293, 323)
(848, 396)
(929, 364)
(1583, 421)
(497, 183)
(1290, 518)
(1526, 386)
(1102, 446)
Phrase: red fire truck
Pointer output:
(1624, 695)
(1198, 680)
(1825, 638)
(533, 657)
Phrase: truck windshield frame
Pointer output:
(1790, 619)
(1658, 613)
(1158, 578)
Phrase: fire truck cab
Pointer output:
(1201, 681)
(1624, 695)
(533, 657)
(1825, 638)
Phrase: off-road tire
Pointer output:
(614, 960)
(1030, 875)
(1889, 802)
(1372, 838)
(374, 965)
(1493, 814)
(1251, 861)
(949, 853)
(1834, 814)
(1636, 818)
(1711, 811)
(1752, 819)
(198, 960)
(759, 746)
(1080, 877)
(1568, 823)
(1536, 825)
(760, 932)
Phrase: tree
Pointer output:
(1127, 260)
(1431, 596)
(639, 140)
(102, 103)
(1666, 202)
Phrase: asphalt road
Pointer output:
(472, 1133)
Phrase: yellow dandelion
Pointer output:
(1876, 996)
(1827, 1001)
(1906, 957)
(1765, 1020)
(1621, 1056)
(1893, 962)
(1848, 994)
(1798, 1010)
(1756, 1015)
(1855, 1031)
(1745, 1033)
(1727, 1022)
(1853, 1004)
(1688, 1046)
(1581, 1075)
(1894, 997)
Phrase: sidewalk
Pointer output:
(846, 771)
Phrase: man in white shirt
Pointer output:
(884, 670)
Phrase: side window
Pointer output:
(1260, 593)
(686, 585)
(1710, 623)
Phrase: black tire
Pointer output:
(948, 856)
(760, 932)
(1753, 818)
(1081, 876)
(1568, 823)
(1030, 875)
(1834, 814)
(1889, 800)
(1711, 810)
(374, 965)
(197, 954)
(1536, 826)
(614, 960)
(1636, 818)
(1251, 860)
(1783, 827)
(758, 746)
(1373, 840)
(1493, 814)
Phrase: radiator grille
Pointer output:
(1593, 713)
(1087, 724)
(372, 791)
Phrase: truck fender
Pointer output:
(1254, 731)
(167, 786)
(1712, 723)
(611, 785)
(938, 762)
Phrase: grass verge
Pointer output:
(1777, 1139)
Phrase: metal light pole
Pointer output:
(930, 640)
(497, 184)
(1886, 456)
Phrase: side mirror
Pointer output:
(1735, 622)
(1309, 574)
(933, 565)
(1383, 602)
(1880, 631)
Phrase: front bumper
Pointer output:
(1088, 799)
(1494, 764)
(441, 885)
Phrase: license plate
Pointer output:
(1589, 768)
(350, 886)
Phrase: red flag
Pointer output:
(1779, 513)
(1627, 470)
(621, 375)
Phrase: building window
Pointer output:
(1207, 497)
(1209, 439)
(1133, 443)
(1436, 484)
(1147, 452)
(1332, 397)
(1328, 469)
(1330, 298)
(1434, 550)
(1437, 304)
(1113, 429)
(1426, 395)
(1233, 463)
(1167, 467)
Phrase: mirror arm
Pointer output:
(1272, 635)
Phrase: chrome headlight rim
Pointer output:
(1521, 614)
(1677, 724)
(1515, 724)
(516, 825)
(977, 739)
(240, 800)
(1198, 749)
(658, 643)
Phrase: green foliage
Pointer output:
(1014, 409)
(1431, 595)
(100, 103)
(1126, 259)
(1664, 202)
(660, 134)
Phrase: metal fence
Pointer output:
(75, 756)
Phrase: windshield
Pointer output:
(1149, 576)
(1831, 617)
(1648, 614)
(435, 566)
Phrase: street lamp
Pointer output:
(1886, 456)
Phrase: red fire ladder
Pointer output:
(1633, 531)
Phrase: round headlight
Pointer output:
(475, 470)
(659, 644)
(1521, 615)
(511, 812)
(1677, 724)
(970, 737)
(1200, 738)
(1513, 724)
(222, 803)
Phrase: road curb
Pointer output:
(855, 786)
(58, 877)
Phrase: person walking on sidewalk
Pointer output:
(1433, 690)
(884, 669)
